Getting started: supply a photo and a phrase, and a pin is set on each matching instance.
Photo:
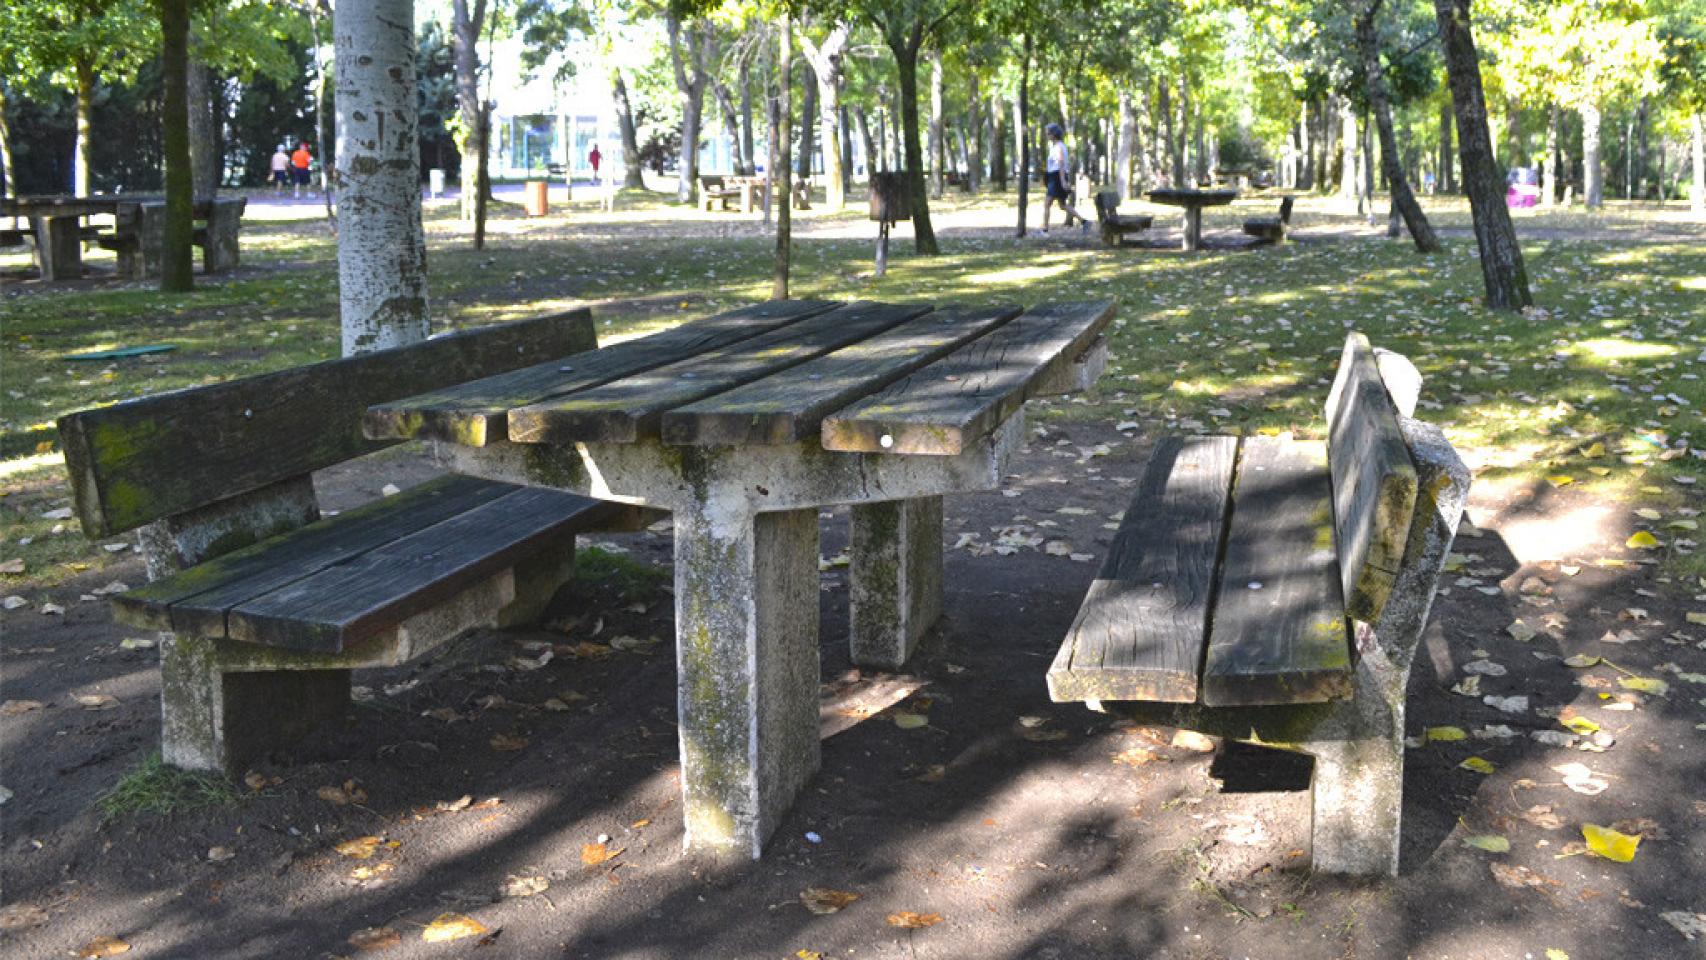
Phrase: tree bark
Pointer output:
(1164, 107)
(1502, 268)
(8, 172)
(1593, 179)
(1447, 168)
(1641, 153)
(1697, 140)
(974, 133)
(784, 140)
(1368, 40)
(382, 290)
(690, 94)
(827, 60)
(904, 41)
(633, 174)
(465, 27)
(863, 122)
(1021, 111)
(1305, 152)
(1128, 146)
(998, 143)
(85, 150)
(731, 124)
(938, 154)
(808, 109)
(743, 76)
(1549, 173)
(204, 145)
(1348, 145)
(176, 264)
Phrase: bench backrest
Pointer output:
(1107, 203)
(155, 457)
(1373, 477)
(711, 183)
(1285, 209)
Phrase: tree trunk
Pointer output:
(1447, 172)
(1368, 40)
(744, 78)
(938, 153)
(382, 290)
(784, 140)
(808, 108)
(998, 144)
(1549, 173)
(827, 62)
(1593, 182)
(1513, 133)
(1641, 150)
(1697, 186)
(904, 44)
(731, 124)
(85, 150)
(1164, 108)
(863, 122)
(1021, 109)
(974, 134)
(8, 172)
(1502, 269)
(466, 24)
(1128, 146)
(633, 174)
(690, 95)
(204, 146)
(323, 80)
(844, 132)
(482, 177)
(1199, 148)
(1305, 152)
(176, 263)
(1348, 146)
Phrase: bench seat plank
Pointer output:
(1140, 632)
(790, 406)
(625, 410)
(1279, 631)
(475, 413)
(944, 407)
(343, 604)
(1374, 480)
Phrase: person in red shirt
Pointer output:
(301, 160)
(593, 159)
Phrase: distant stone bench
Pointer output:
(1271, 229)
(1273, 590)
(267, 604)
(714, 190)
(1115, 225)
(139, 234)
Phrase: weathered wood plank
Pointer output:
(143, 459)
(1374, 481)
(1140, 632)
(1279, 631)
(626, 409)
(194, 602)
(341, 605)
(476, 413)
(942, 407)
(789, 406)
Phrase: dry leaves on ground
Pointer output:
(504, 743)
(1609, 843)
(21, 916)
(823, 900)
(1519, 878)
(12, 708)
(593, 854)
(103, 947)
(375, 938)
(358, 849)
(907, 920)
(516, 886)
(452, 926)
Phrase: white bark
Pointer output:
(1348, 142)
(1697, 190)
(938, 155)
(1593, 181)
(1549, 171)
(382, 293)
(826, 60)
(1127, 147)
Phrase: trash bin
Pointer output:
(536, 204)
(435, 183)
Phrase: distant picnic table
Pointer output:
(744, 425)
(137, 234)
(1193, 201)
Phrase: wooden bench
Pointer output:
(1274, 590)
(268, 604)
(13, 237)
(1115, 225)
(713, 190)
(140, 231)
(1271, 229)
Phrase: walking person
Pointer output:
(280, 170)
(593, 158)
(302, 160)
(1055, 174)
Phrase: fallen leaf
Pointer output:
(908, 920)
(1690, 925)
(1581, 661)
(1445, 734)
(375, 938)
(1642, 540)
(910, 721)
(220, 854)
(12, 708)
(358, 849)
(1192, 741)
(1579, 724)
(504, 743)
(1490, 842)
(593, 854)
(1609, 843)
(1541, 815)
(1519, 878)
(21, 916)
(97, 701)
(1651, 685)
(516, 886)
(1478, 765)
(15, 565)
(103, 947)
(452, 926)
(824, 901)
(1135, 756)
(1580, 779)
(1553, 953)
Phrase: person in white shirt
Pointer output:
(1055, 177)
(280, 169)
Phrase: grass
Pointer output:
(155, 788)
(1598, 388)
(631, 579)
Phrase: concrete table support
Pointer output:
(1193, 228)
(59, 247)
(896, 590)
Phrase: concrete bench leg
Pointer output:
(214, 719)
(746, 601)
(59, 248)
(1358, 798)
(224, 221)
(896, 568)
(537, 580)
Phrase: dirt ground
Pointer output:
(1032, 830)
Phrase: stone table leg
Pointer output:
(59, 248)
(896, 591)
(746, 601)
(1193, 228)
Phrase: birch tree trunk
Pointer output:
(85, 150)
(827, 59)
(382, 290)
(1697, 188)
(1502, 269)
(465, 27)
(1447, 173)
(938, 153)
(204, 147)
(1128, 146)
(8, 173)
(1593, 179)
(1549, 173)
(1305, 152)
(1348, 146)
(783, 115)
(176, 263)
(808, 108)
(690, 94)
(731, 124)
(633, 174)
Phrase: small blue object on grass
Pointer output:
(121, 352)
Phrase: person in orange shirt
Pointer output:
(302, 160)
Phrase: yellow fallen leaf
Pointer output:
(1683, 525)
(1642, 540)
(1594, 451)
(1478, 765)
(1561, 480)
(1648, 513)
(1610, 844)
(103, 947)
(908, 920)
(1446, 734)
(505, 743)
(1490, 842)
(1600, 471)
(46, 446)
(375, 938)
(910, 721)
(824, 901)
(1553, 953)
(358, 849)
(1651, 685)
(593, 854)
(1581, 725)
(1581, 661)
(808, 955)
(452, 926)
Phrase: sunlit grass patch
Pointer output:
(155, 788)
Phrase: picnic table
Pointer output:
(744, 425)
(1193, 201)
(137, 235)
(57, 224)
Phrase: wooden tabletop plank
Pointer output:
(475, 412)
(1279, 633)
(341, 605)
(625, 410)
(944, 407)
(789, 406)
(1139, 634)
